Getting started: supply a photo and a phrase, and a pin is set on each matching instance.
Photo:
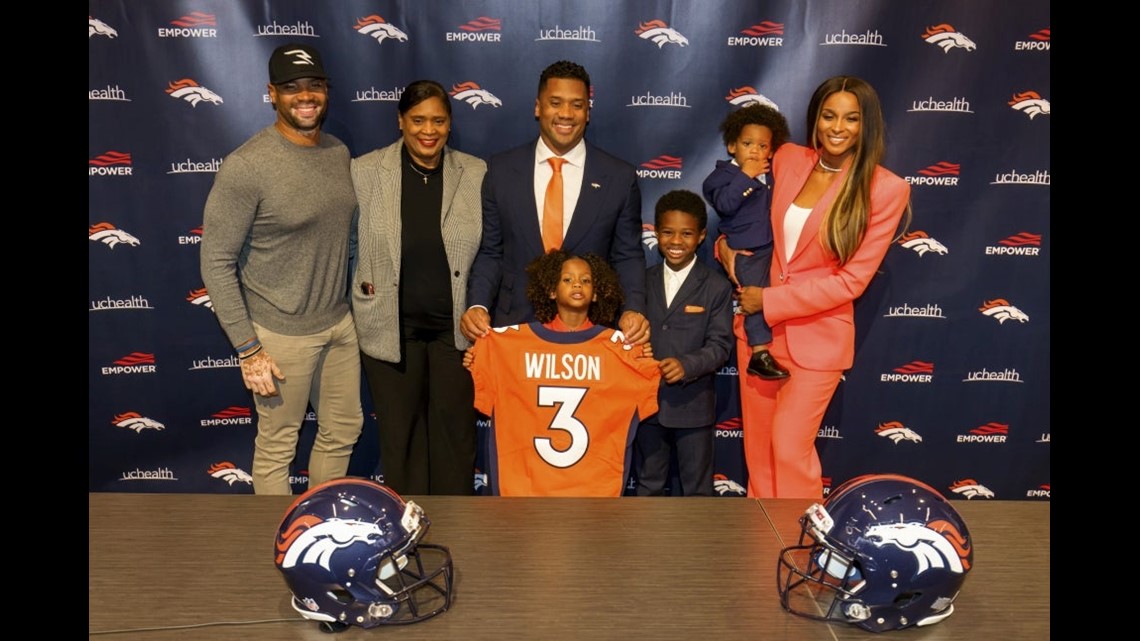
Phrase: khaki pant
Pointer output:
(322, 369)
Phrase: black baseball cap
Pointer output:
(293, 61)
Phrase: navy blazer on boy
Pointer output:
(606, 221)
(696, 330)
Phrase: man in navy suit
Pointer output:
(601, 199)
(690, 308)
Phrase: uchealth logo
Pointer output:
(912, 372)
(746, 95)
(137, 422)
(481, 29)
(201, 298)
(192, 25)
(1039, 178)
(663, 166)
(921, 243)
(761, 34)
(940, 174)
(110, 163)
(232, 415)
(1037, 41)
(229, 473)
(1007, 375)
(991, 432)
(110, 92)
(1020, 244)
(1042, 492)
(474, 95)
(376, 27)
(660, 34)
(133, 363)
(581, 33)
(897, 432)
(915, 310)
(161, 474)
(189, 90)
(110, 235)
(1029, 103)
(136, 301)
(724, 485)
(96, 27)
(946, 36)
(189, 166)
(648, 235)
(828, 431)
(970, 488)
(1001, 310)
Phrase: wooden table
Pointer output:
(535, 568)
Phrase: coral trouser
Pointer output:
(321, 369)
(781, 419)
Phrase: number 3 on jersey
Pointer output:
(567, 399)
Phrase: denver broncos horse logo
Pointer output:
(376, 27)
(473, 95)
(920, 243)
(1030, 103)
(110, 235)
(229, 473)
(660, 33)
(896, 431)
(96, 27)
(944, 548)
(1000, 309)
(724, 485)
(311, 540)
(945, 36)
(648, 236)
(192, 92)
(137, 422)
(970, 488)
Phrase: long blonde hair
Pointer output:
(846, 220)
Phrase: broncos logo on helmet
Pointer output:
(945, 36)
(1000, 309)
(931, 549)
(193, 93)
(110, 235)
(660, 33)
(1031, 103)
(473, 95)
(376, 27)
(920, 243)
(312, 540)
(96, 27)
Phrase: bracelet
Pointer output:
(253, 352)
(248, 345)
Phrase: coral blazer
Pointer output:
(811, 299)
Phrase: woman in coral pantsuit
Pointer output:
(835, 212)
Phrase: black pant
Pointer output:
(654, 448)
(425, 407)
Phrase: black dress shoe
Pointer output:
(762, 364)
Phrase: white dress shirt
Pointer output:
(674, 280)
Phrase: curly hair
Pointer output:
(566, 70)
(756, 114)
(545, 272)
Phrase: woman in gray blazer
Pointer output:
(419, 228)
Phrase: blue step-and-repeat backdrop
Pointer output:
(951, 376)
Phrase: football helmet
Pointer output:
(883, 552)
(351, 553)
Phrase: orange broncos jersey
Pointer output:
(564, 408)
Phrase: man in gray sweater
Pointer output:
(275, 263)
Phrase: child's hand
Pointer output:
(753, 167)
(672, 370)
(647, 350)
(469, 357)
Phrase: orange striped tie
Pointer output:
(552, 208)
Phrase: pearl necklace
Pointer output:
(828, 168)
(422, 174)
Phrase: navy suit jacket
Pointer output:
(696, 330)
(606, 221)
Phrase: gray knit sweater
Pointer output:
(275, 236)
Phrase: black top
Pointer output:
(425, 278)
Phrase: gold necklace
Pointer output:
(417, 170)
(828, 168)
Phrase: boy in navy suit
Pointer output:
(689, 306)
